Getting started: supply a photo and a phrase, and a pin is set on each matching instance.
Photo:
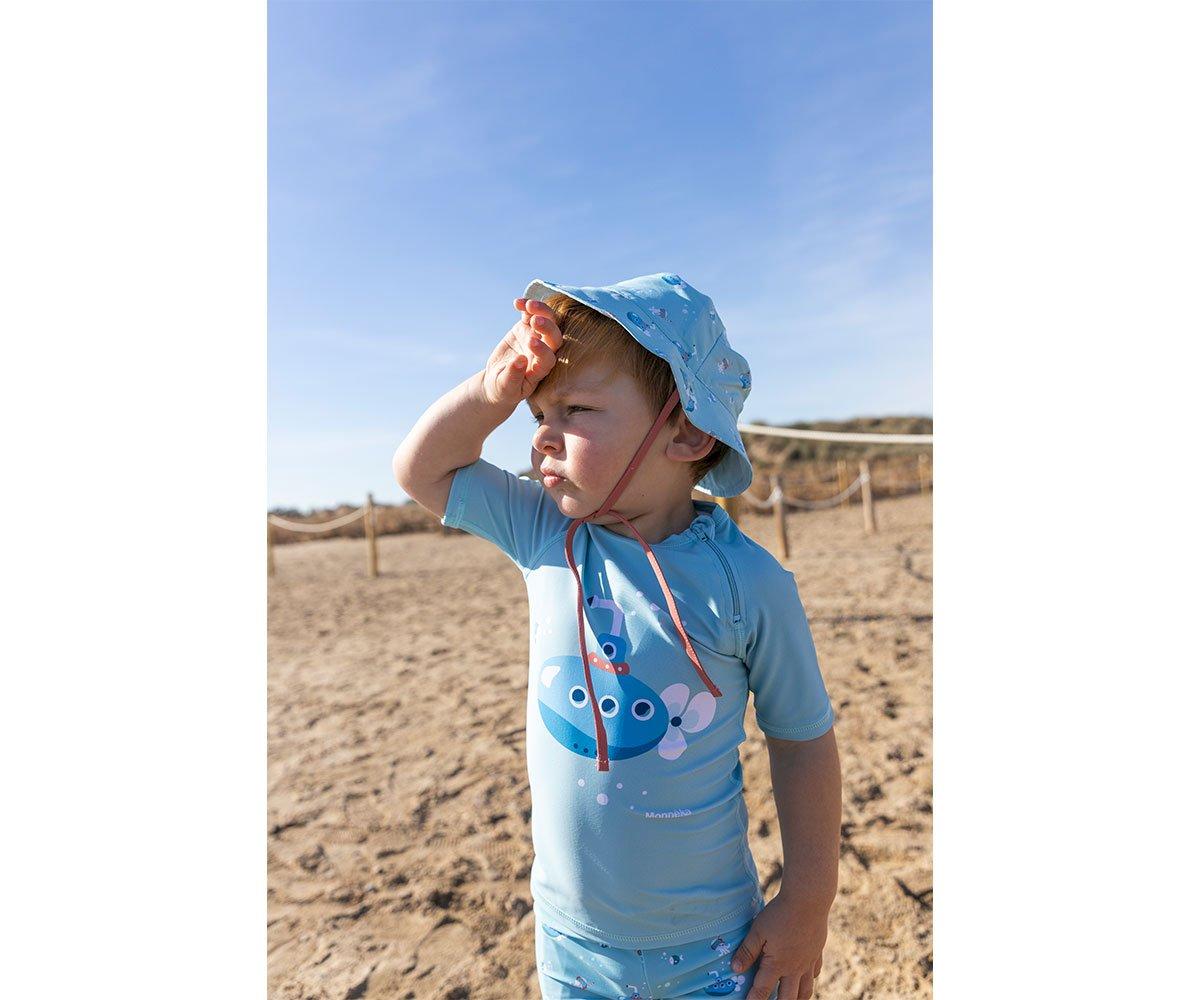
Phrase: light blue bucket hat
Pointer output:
(673, 321)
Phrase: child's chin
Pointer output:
(571, 507)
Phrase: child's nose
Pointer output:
(545, 440)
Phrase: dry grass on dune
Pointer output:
(398, 815)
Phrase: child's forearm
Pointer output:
(449, 435)
(806, 777)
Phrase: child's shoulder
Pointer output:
(757, 568)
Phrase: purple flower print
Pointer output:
(685, 716)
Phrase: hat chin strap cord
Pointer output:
(606, 508)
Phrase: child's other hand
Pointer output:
(524, 357)
(789, 936)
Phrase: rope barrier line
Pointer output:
(777, 494)
(798, 504)
(337, 522)
(366, 512)
(768, 504)
(828, 501)
(862, 438)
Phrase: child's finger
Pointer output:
(549, 331)
(512, 376)
(747, 951)
(538, 331)
(536, 307)
(533, 307)
(542, 357)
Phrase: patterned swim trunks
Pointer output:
(574, 967)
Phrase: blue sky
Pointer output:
(427, 160)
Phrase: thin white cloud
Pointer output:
(408, 90)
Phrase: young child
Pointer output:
(651, 618)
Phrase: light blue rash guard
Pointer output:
(655, 850)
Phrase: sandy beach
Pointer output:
(398, 836)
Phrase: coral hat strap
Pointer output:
(601, 735)
(634, 462)
(630, 469)
(662, 582)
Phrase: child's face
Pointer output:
(588, 433)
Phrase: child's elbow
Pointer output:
(400, 467)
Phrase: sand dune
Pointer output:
(398, 813)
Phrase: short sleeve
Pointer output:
(790, 701)
(513, 512)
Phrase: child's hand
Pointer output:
(790, 933)
(524, 357)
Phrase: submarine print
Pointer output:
(636, 718)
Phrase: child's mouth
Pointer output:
(550, 481)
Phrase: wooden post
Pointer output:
(270, 551)
(923, 470)
(729, 505)
(369, 531)
(843, 480)
(864, 471)
(780, 516)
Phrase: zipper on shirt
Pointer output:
(737, 606)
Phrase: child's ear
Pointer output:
(688, 443)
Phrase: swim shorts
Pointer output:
(575, 967)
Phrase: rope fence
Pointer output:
(795, 503)
(366, 511)
(779, 503)
(776, 501)
(308, 526)
(854, 437)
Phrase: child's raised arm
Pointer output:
(450, 434)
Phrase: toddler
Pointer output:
(651, 618)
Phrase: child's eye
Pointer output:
(537, 417)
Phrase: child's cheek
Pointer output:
(588, 462)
